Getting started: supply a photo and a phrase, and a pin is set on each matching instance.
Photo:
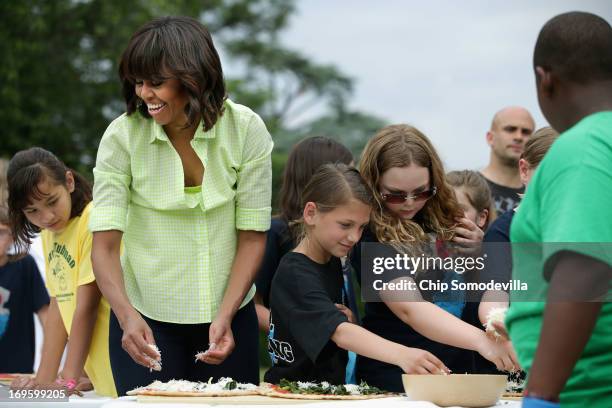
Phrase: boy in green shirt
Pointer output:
(565, 344)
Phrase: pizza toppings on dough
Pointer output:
(225, 385)
(325, 388)
(516, 382)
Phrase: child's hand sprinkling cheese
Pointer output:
(495, 326)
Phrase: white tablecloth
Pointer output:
(90, 400)
(400, 402)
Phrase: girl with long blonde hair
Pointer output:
(417, 209)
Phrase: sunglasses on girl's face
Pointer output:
(399, 198)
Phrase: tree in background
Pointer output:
(59, 86)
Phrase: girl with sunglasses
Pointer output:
(303, 161)
(416, 206)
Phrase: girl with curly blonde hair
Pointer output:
(415, 210)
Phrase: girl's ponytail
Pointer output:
(82, 194)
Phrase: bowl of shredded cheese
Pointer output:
(466, 390)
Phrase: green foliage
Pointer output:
(60, 90)
(58, 78)
(291, 82)
(58, 81)
(353, 129)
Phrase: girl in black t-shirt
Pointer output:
(310, 328)
(303, 161)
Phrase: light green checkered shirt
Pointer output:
(179, 245)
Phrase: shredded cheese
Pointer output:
(190, 386)
(154, 365)
(497, 314)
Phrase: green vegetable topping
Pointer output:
(326, 388)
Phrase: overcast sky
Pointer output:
(444, 66)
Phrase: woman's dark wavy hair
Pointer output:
(181, 48)
(26, 170)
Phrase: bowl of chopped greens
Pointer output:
(467, 390)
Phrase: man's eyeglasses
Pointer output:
(399, 198)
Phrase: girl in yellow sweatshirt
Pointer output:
(45, 196)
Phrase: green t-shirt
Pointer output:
(568, 203)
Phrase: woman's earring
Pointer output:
(138, 103)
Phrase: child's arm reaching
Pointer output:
(53, 345)
(441, 326)
(53, 348)
(363, 342)
(263, 313)
(346, 311)
(491, 302)
(42, 314)
(83, 323)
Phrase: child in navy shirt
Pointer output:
(22, 293)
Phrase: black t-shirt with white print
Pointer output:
(505, 198)
(303, 318)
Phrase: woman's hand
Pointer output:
(418, 361)
(137, 336)
(221, 341)
(499, 352)
(347, 312)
